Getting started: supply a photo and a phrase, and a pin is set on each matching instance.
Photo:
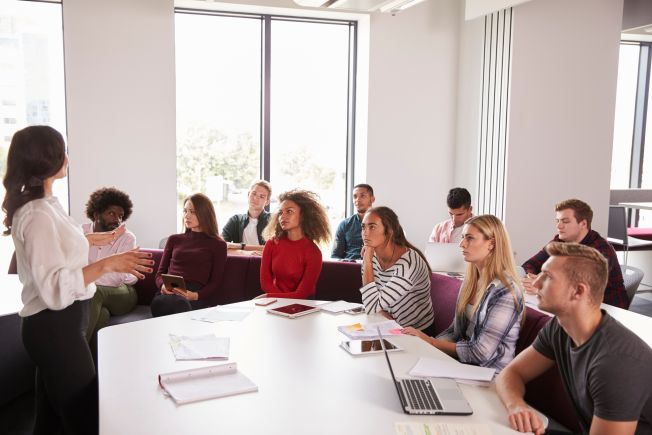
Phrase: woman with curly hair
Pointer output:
(291, 261)
(198, 255)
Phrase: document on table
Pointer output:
(219, 314)
(440, 368)
(193, 385)
(358, 331)
(199, 347)
(338, 306)
(441, 429)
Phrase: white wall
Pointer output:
(564, 71)
(120, 95)
(412, 105)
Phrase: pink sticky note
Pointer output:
(395, 331)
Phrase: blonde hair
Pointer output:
(583, 265)
(314, 220)
(499, 264)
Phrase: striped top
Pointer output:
(403, 290)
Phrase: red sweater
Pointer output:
(290, 269)
(199, 258)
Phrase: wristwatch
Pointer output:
(242, 246)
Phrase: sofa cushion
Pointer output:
(443, 292)
(146, 288)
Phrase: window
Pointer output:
(31, 80)
(262, 96)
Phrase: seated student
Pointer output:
(395, 274)
(348, 238)
(108, 208)
(198, 255)
(490, 305)
(604, 366)
(459, 210)
(245, 231)
(574, 225)
(291, 261)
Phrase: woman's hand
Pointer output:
(186, 294)
(165, 291)
(135, 262)
(412, 331)
(106, 237)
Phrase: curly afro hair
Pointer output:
(105, 197)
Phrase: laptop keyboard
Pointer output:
(421, 394)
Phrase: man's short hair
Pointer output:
(105, 197)
(581, 209)
(458, 197)
(583, 265)
(264, 184)
(365, 186)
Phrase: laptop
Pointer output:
(445, 257)
(433, 396)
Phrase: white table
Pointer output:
(307, 383)
(639, 205)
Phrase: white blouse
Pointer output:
(51, 251)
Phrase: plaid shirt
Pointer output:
(615, 293)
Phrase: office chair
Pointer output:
(632, 277)
(617, 233)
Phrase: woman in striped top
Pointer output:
(490, 305)
(395, 274)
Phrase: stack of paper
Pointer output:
(410, 428)
(199, 347)
(358, 331)
(338, 306)
(448, 368)
(205, 383)
(219, 314)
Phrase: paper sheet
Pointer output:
(199, 347)
(358, 331)
(440, 368)
(338, 306)
(219, 314)
(441, 429)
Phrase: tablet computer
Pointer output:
(293, 310)
(173, 282)
(368, 347)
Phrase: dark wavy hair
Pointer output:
(394, 230)
(36, 153)
(104, 198)
(205, 213)
(314, 220)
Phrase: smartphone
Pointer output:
(356, 310)
(263, 302)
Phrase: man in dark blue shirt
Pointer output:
(348, 237)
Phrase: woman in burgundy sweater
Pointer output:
(291, 260)
(198, 255)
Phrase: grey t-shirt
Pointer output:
(609, 376)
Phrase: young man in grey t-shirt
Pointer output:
(605, 367)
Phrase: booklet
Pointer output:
(204, 383)
(413, 428)
(358, 331)
(338, 306)
(199, 347)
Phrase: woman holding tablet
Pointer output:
(395, 274)
(198, 255)
(52, 258)
(291, 261)
(490, 305)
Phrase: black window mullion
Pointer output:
(350, 127)
(266, 97)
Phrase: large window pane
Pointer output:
(31, 81)
(218, 64)
(309, 94)
(624, 121)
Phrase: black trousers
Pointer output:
(66, 381)
(164, 305)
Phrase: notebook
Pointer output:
(445, 257)
(434, 396)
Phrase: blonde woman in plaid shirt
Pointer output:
(490, 305)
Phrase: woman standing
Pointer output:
(395, 274)
(198, 255)
(490, 305)
(52, 258)
(291, 261)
